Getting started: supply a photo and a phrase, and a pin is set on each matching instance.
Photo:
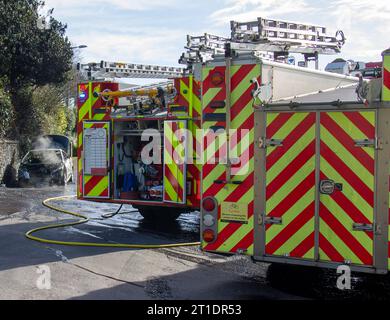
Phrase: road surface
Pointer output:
(31, 270)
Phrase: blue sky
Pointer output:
(154, 31)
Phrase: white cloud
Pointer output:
(365, 23)
(120, 4)
(136, 46)
(250, 10)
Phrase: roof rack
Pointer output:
(277, 35)
(268, 39)
(109, 70)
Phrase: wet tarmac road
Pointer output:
(24, 205)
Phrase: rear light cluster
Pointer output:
(209, 219)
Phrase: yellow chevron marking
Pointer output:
(347, 222)
(364, 207)
(99, 188)
(290, 155)
(353, 131)
(298, 237)
(339, 244)
(291, 184)
(294, 211)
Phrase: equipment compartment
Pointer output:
(133, 179)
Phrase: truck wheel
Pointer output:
(294, 279)
(159, 214)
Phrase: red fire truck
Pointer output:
(291, 165)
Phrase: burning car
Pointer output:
(50, 161)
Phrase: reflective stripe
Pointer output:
(354, 168)
(232, 237)
(386, 78)
(290, 180)
(174, 162)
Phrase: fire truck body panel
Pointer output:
(313, 194)
(105, 140)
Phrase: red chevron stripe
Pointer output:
(104, 193)
(349, 207)
(362, 123)
(245, 243)
(278, 123)
(351, 177)
(291, 140)
(223, 236)
(386, 78)
(92, 183)
(345, 236)
(329, 250)
(388, 249)
(215, 187)
(292, 228)
(241, 103)
(179, 99)
(167, 197)
(220, 96)
(210, 138)
(242, 189)
(294, 196)
(303, 247)
(294, 166)
(175, 155)
(244, 161)
(175, 184)
(218, 153)
(236, 137)
(193, 170)
(240, 75)
(346, 140)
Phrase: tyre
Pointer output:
(294, 279)
(159, 214)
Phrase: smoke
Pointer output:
(42, 143)
(47, 156)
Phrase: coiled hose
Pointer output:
(84, 219)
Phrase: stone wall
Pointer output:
(9, 161)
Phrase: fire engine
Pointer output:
(291, 165)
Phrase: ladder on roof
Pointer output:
(110, 70)
(268, 39)
(277, 35)
(204, 48)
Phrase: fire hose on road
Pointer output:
(83, 220)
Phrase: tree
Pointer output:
(6, 111)
(31, 57)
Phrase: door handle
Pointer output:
(329, 187)
(273, 220)
(362, 227)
